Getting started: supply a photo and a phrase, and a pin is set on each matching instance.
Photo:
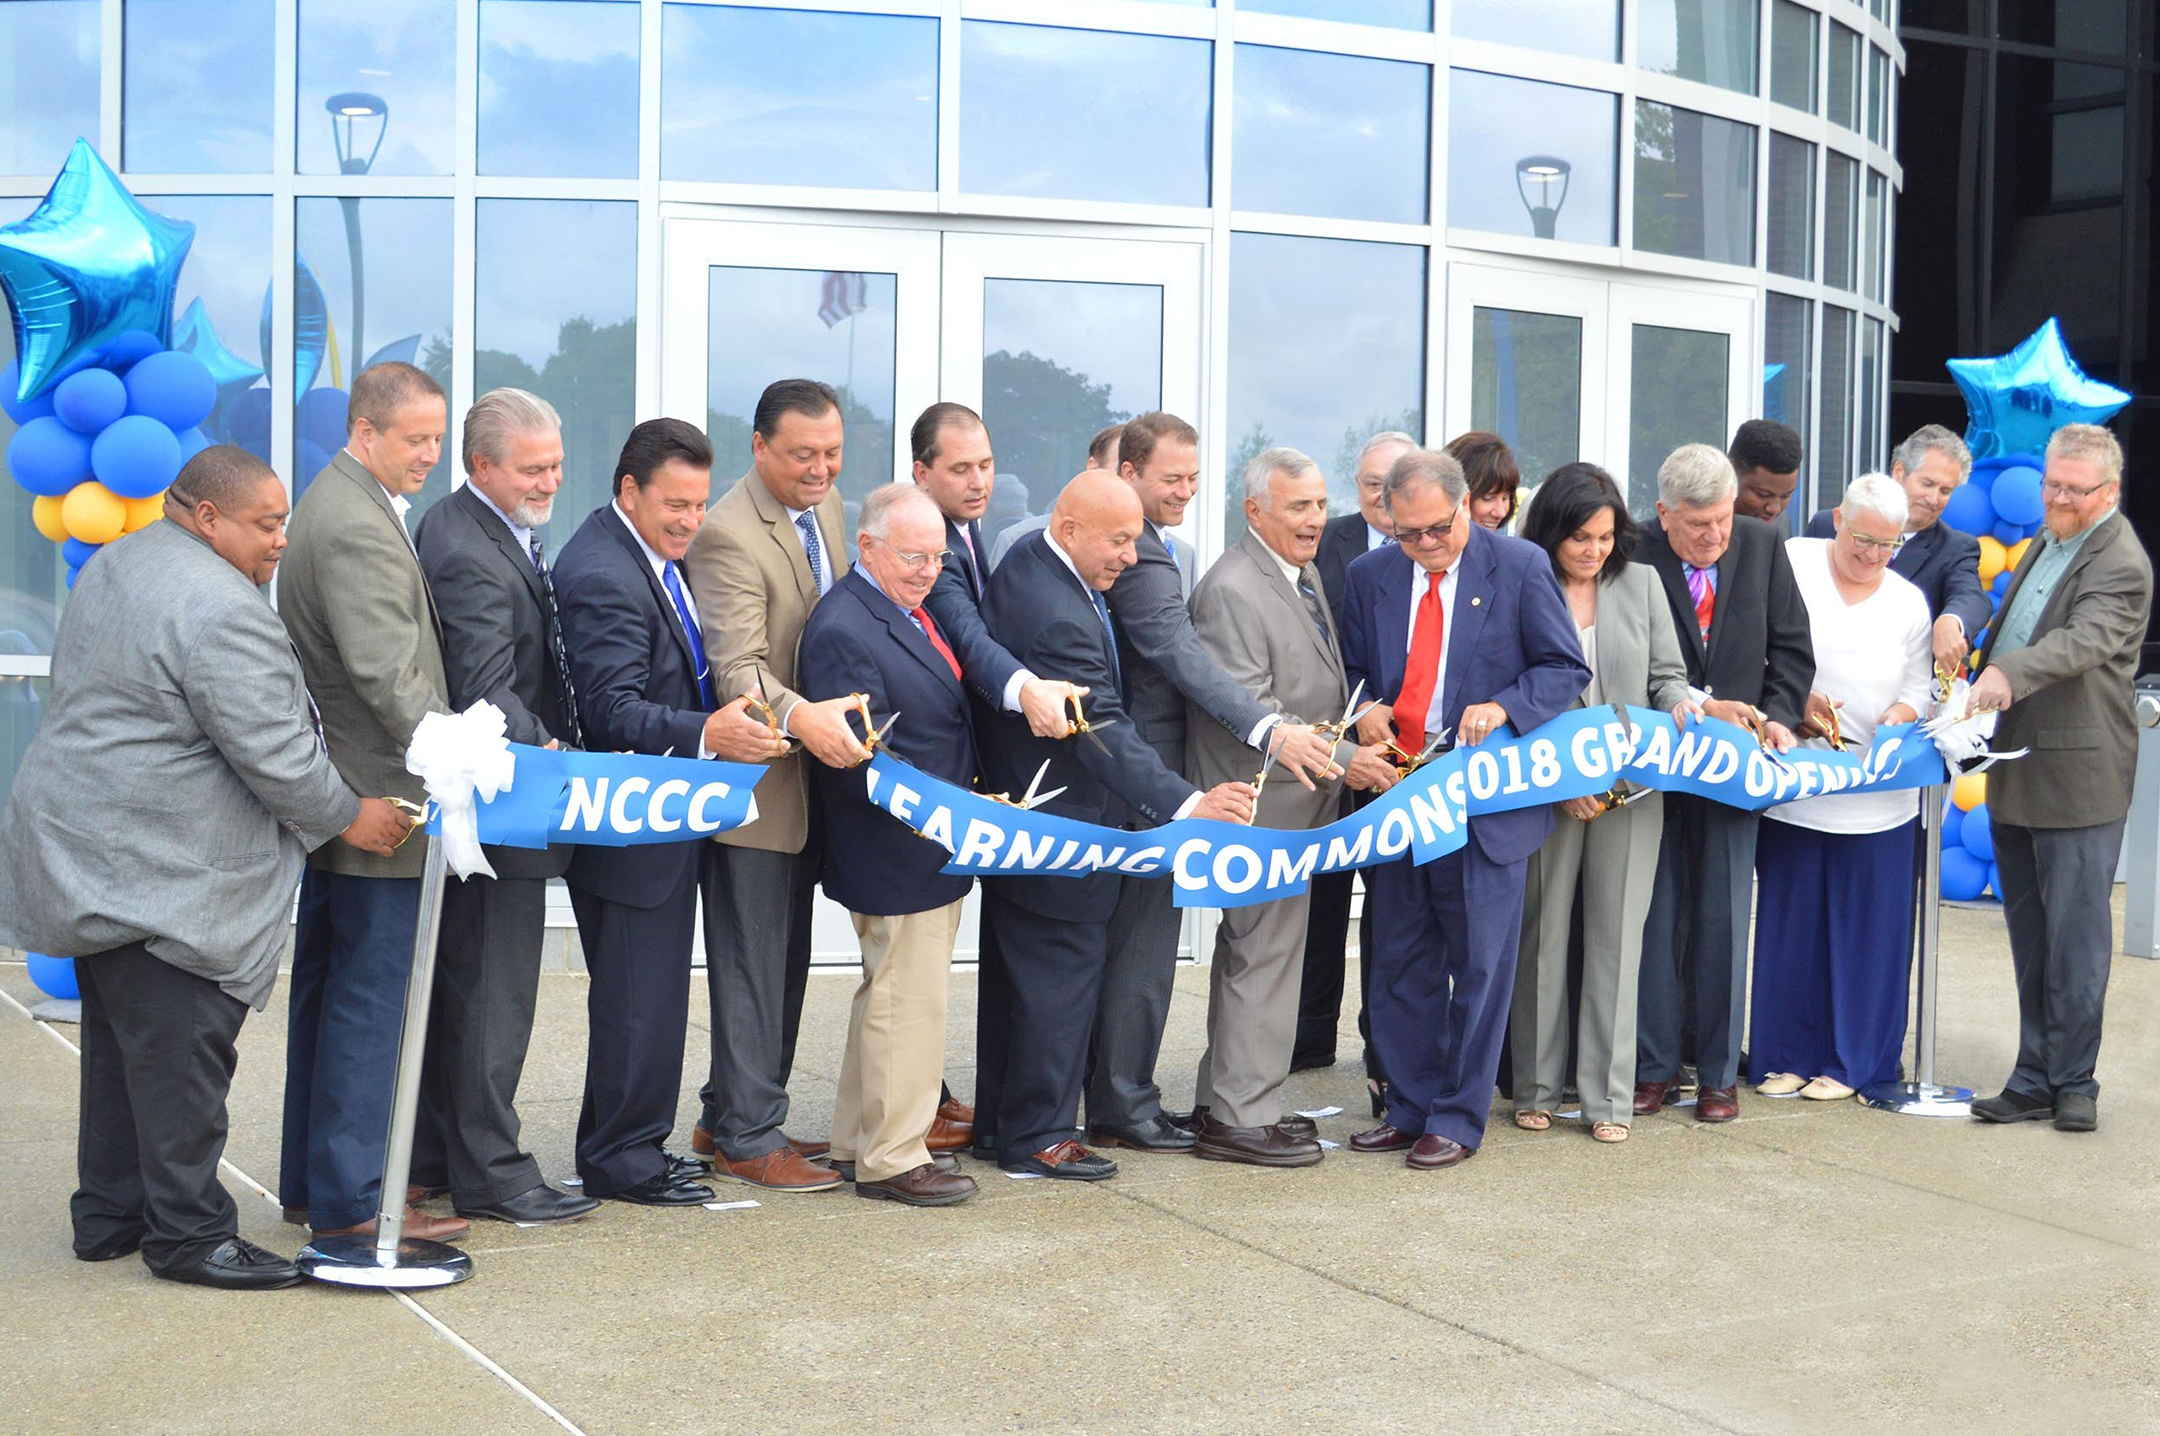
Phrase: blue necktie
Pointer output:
(690, 630)
(806, 525)
(1102, 611)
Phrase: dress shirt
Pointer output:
(659, 573)
(398, 503)
(2016, 622)
(824, 559)
(522, 534)
(1419, 578)
(1375, 539)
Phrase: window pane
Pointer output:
(1844, 77)
(1871, 235)
(1792, 54)
(559, 88)
(1708, 40)
(766, 324)
(573, 345)
(1873, 456)
(1792, 207)
(1663, 414)
(1841, 215)
(228, 270)
(1083, 114)
(1833, 457)
(197, 80)
(1396, 14)
(1061, 361)
(1331, 135)
(1530, 158)
(1327, 346)
(377, 91)
(1878, 93)
(1788, 338)
(1590, 28)
(1526, 385)
(377, 271)
(1694, 185)
(32, 576)
(2085, 155)
(48, 83)
(738, 106)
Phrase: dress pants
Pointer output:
(487, 980)
(1327, 933)
(757, 967)
(1038, 1011)
(352, 954)
(1253, 989)
(1444, 942)
(1135, 1005)
(157, 1061)
(1698, 915)
(637, 1009)
(2056, 885)
(993, 1014)
(892, 1074)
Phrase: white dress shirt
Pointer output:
(399, 504)
(1419, 580)
(659, 572)
(518, 531)
(824, 555)
(1375, 539)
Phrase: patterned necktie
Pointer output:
(1703, 589)
(974, 561)
(806, 525)
(573, 734)
(1102, 611)
(937, 641)
(1422, 671)
(673, 584)
(1318, 615)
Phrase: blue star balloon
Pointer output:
(89, 264)
(196, 335)
(311, 324)
(2016, 400)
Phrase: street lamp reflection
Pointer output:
(1548, 176)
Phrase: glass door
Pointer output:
(1520, 350)
(1682, 369)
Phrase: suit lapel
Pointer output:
(671, 616)
(485, 519)
(902, 627)
(2095, 544)
(1466, 616)
(956, 540)
(351, 468)
(1674, 577)
(1392, 615)
(1287, 597)
(780, 527)
(1914, 557)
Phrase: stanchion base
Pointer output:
(354, 1261)
(1918, 1099)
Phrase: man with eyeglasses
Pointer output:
(1462, 631)
(2058, 666)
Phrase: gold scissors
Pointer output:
(1945, 680)
(1618, 796)
(1408, 763)
(762, 706)
(1078, 724)
(873, 733)
(1836, 735)
(1350, 715)
(416, 811)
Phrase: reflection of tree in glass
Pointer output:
(1040, 416)
(1340, 469)
(590, 379)
(866, 460)
(1657, 174)
(1526, 385)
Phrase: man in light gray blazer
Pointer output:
(357, 606)
(1261, 615)
(171, 674)
(2058, 665)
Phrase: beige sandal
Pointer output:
(1533, 1119)
(1609, 1131)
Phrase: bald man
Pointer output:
(1046, 940)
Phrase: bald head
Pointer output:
(1095, 522)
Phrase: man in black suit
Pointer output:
(1766, 458)
(871, 634)
(1744, 633)
(1941, 562)
(643, 685)
(1047, 940)
(487, 567)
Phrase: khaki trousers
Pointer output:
(1253, 991)
(895, 1062)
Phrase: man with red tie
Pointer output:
(1462, 630)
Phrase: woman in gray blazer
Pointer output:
(1610, 854)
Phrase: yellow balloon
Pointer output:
(45, 513)
(141, 513)
(93, 513)
(1968, 792)
(2015, 554)
(1993, 558)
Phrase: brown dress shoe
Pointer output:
(946, 1135)
(1717, 1104)
(928, 1185)
(415, 1194)
(1432, 1153)
(1650, 1097)
(804, 1147)
(781, 1170)
(1294, 1124)
(1269, 1146)
(952, 1109)
(418, 1225)
(701, 1143)
(1383, 1138)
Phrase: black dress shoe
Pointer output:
(1157, 1134)
(1067, 1161)
(2077, 1112)
(537, 1208)
(236, 1264)
(983, 1151)
(2008, 1106)
(118, 1245)
(664, 1190)
(944, 1161)
(1311, 1061)
(689, 1168)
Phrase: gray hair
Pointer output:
(500, 415)
(1695, 476)
(1876, 494)
(2089, 441)
(1911, 454)
(1261, 470)
(877, 510)
(1385, 436)
(1420, 467)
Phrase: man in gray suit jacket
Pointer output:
(1261, 614)
(357, 607)
(171, 890)
(2057, 665)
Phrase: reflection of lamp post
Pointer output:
(347, 110)
(1549, 173)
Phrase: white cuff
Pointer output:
(1184, 809)
(1012, 690)
(1258, 736)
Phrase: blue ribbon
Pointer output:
(614, 799)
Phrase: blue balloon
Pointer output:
(2016, 400)
(130, 349)
(1953, 821)
(173, 388)
(75, 553)
(311, 325)
(193, 442)
(1977, 835)
(1994, 886)
(246, 420)
(135, 457)
(2007, 534)
(21, 413)
(1995, 599)
(310, 459)
(2016, 495)
(196, 335)
(1982, 479)
(1964, 877)
(322, 419)
(2003, 581)
(1970, 510)
(47, 457)
(89, 400)
(54, 976)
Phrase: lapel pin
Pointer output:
(1475, 601)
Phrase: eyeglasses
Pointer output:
(1888, 548)
(2057, 489)
(1412, 538)
(920, 560)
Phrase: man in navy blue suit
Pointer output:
(871, 634)
(1941, 562)
(643, 686)
(1461, 630)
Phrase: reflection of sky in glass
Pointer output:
(398, 50)
(1396, 14)
(791, 97)
(1495, 121)
(1787, 334)
(1590, 28)
(1708, 40)
(1327, 346)
(1792, 207)
(32, 577)
(48, 82)
(197, 86)
(1526, 385)
(1333, 135)
(1663, 415)
(559, 88)
(228, 265)
(1083, 114)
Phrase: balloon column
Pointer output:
(2000, 506)
(1968, 842)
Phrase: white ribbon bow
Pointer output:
(1961, 735)
(462, 757)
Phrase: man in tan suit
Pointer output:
(360, 616)
(768, 550)
(1261, 615)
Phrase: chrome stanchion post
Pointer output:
(389, 1258)
(1923, 1097)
